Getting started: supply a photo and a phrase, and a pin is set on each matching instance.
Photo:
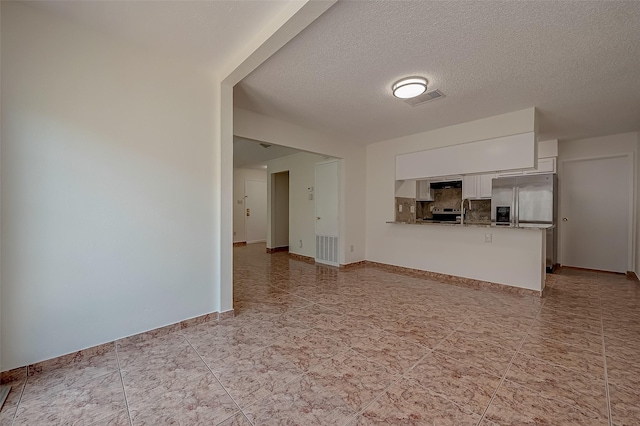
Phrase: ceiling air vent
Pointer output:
(425, 97)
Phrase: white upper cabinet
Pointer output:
(477, 186)
(545, 165)
(509, 152)
(485, 185)
(423, 191)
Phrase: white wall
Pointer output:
(107, 188)
(279, 210)
(353, 170)
(603, 146)
(460, 252)
(239, 178)
(302, 215)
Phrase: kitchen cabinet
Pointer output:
(545, 165)
(423, 191)
(504, 153)
(477, 186)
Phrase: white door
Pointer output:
(327, 190)
(594, 218)
(255, 193)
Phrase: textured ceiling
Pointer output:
(248, 153)
(205, 33)
(577, 61)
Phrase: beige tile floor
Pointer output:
(314, 345)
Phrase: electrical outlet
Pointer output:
(351, 248)
(488, 238)
(400, 208)
(412, 209)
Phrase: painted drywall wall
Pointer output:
(603, 146)
(239, 178)
(637, 215)
(106, 188)
(460, 252)
(279, 209)
(301, 169)
(353, 170)
(1, 364)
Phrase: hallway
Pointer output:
(317, 345)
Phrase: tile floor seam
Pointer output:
(571, 312)
(571, 327)
(400, 377)
(606, 376)
(382, 392)
(513, 357)
(124, 390)
(220, 383)
(569, 344)
(574, 370)
(24, 385)
(548, 396)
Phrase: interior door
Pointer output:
(327, 190)
(594, 225)
(255, 211)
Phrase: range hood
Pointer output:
(446, 184)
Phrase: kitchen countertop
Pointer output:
(477, 225)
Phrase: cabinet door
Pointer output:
(423, 191)
(470, 186)
(511, 173)
(484, 187)
(546, 165)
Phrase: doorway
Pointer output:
(255, 193)
(327, 190)
(596, 213)
(279, 211)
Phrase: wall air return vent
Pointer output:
(425, 97)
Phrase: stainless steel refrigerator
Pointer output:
(528, 201)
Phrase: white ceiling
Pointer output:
(206, 33)
(250, 154)
(577, 61)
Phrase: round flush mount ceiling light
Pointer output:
(409, 87)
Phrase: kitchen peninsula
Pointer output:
(461, 240)
(508, 256)
(515, 257)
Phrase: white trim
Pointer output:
(631, 225)
(341, 244)
(244, 213)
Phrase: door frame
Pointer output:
(631, 242)
(246, 228)
(339, 235)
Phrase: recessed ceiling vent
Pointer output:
(425, 97)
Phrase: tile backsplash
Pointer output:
(406, 215)
(448, 198)
(478, 211)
